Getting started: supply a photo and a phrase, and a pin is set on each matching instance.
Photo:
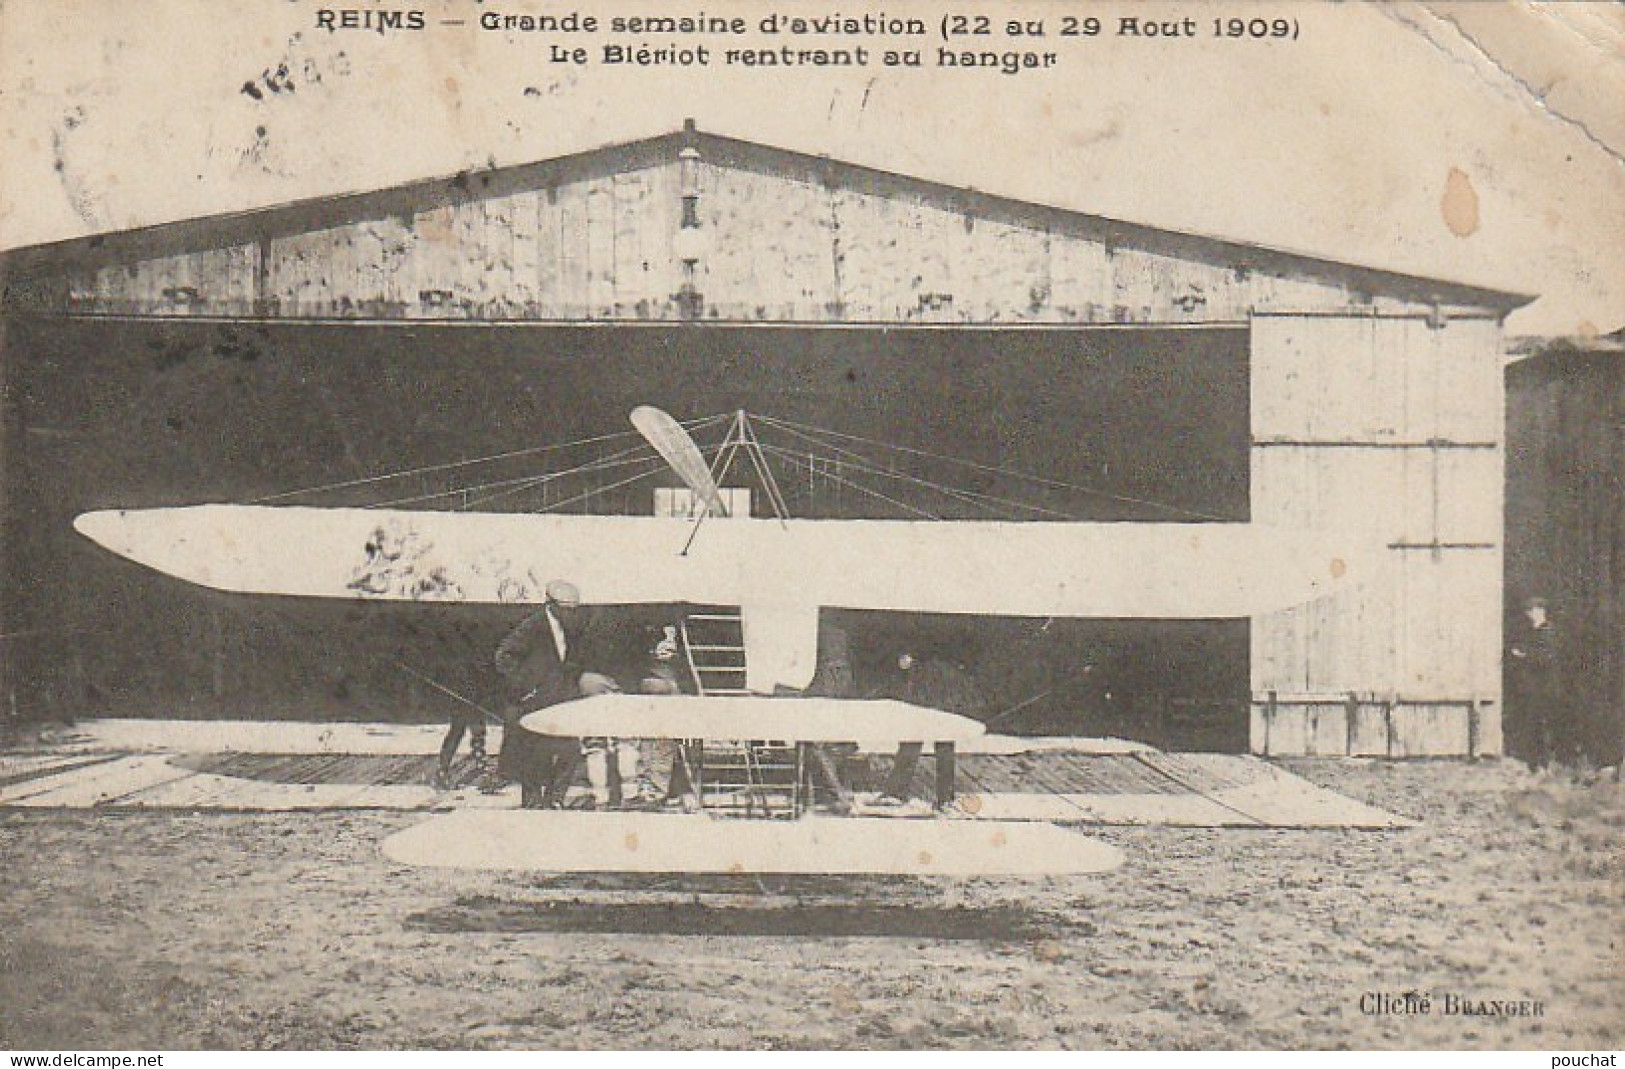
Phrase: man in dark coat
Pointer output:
(832, 678)
(935, 684)
(1534, 692)
(537, 661)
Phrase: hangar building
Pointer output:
(1163, 375)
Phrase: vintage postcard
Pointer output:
(743, 525)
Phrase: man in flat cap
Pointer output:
(537, 661)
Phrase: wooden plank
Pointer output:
(198, 791)
(526, 252)
(1415, 496)
(207, 791)
(1080, 275)
(1282, 800)
(1431, 729)
(398, 243)
(1006, 288)
(289, 262)
(392, 796)
(794, 268)
(1470, 493)
(1370, 734)
(1326, 730)
(732, 270)
(499, 281)
(1165, 289)
(1421, 378)
(1282, 293)
(16, 769)
(1374, 379)
(1318, 378)
(855, 223)
(1471, 377)
(1331, 646)
(1282, 381)
(98, 784)
(628, 226)
(1450, 625)
(1176, 810)
(660, 215)
(549, 253)
(929, 291)
(468, 258)
(600, 247)
(1430, 627)
(1383, 728)
(435, 288)
(573, 260)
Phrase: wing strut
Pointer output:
(741, 435)
(675, 446)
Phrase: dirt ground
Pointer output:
(143, 930)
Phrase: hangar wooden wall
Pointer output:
(603, 248)
(1386, 427)
(1376, 397)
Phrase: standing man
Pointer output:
(465, 719)
(935, 684)
(1534, 695)
(536, 660)
(628, 654)
(832, 678)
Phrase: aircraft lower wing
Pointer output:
(519, 840)
(880, 722)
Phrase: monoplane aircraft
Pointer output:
(779, 571)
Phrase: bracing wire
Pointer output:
(795, 459)
(969, 497)
(817, 437)
(860, 488)
(791, 425)
(506, 486)
(656, 469)
(614, 460)
(348, 484)
(864, 464)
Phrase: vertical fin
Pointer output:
(781, 646)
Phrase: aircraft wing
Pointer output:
(777, 570)
(882, 722)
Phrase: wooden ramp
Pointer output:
(164, 781)
(1150, 787)
(536, 841)
(392, 767)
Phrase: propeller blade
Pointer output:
(678, 450)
